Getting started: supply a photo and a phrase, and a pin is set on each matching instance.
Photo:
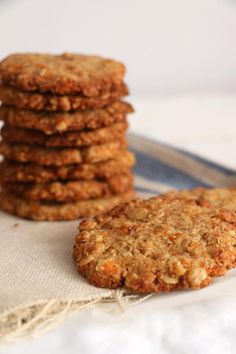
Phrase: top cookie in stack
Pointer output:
(68, 82)
(63, 139)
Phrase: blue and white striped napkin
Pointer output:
(161, 167)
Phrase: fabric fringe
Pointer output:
(33, 320)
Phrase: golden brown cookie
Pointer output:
(11, 171)
(60, 211)
(59, 157)
(11, 96)
(219, 197)
(159, 244)
(71, 190)
(62, 74)
(58, 122)
(69, 139)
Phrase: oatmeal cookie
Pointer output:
(62, 74)
(59, 211)
(159, 244)
(219, 197)
(11, 96)
(11, 171)
(59, 157)
(59, 122)
(70, 191)
(69, 139)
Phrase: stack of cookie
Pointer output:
(63, 139)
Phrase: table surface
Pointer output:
(205, 125)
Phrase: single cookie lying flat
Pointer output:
(72, 190)
(70, 139)
(155, 245)
(11, 96)
(58, 122)
(219, 197)
(11, 171)
(66, 73)
(59, 211)
(59, 157)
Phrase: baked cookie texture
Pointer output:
(218, 197)
(68, 139)
(59, 122)
(159, 244)
(59, 157)
(64, 136)
(59, 211)
(11, 171)
(11, 96)
(62, 74)
(72, 190)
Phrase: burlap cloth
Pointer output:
(38, 281)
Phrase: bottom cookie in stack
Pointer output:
(60, 211)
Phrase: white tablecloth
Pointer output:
(202, 124)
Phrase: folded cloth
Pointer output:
(38, 281)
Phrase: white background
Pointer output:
(169, 46)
